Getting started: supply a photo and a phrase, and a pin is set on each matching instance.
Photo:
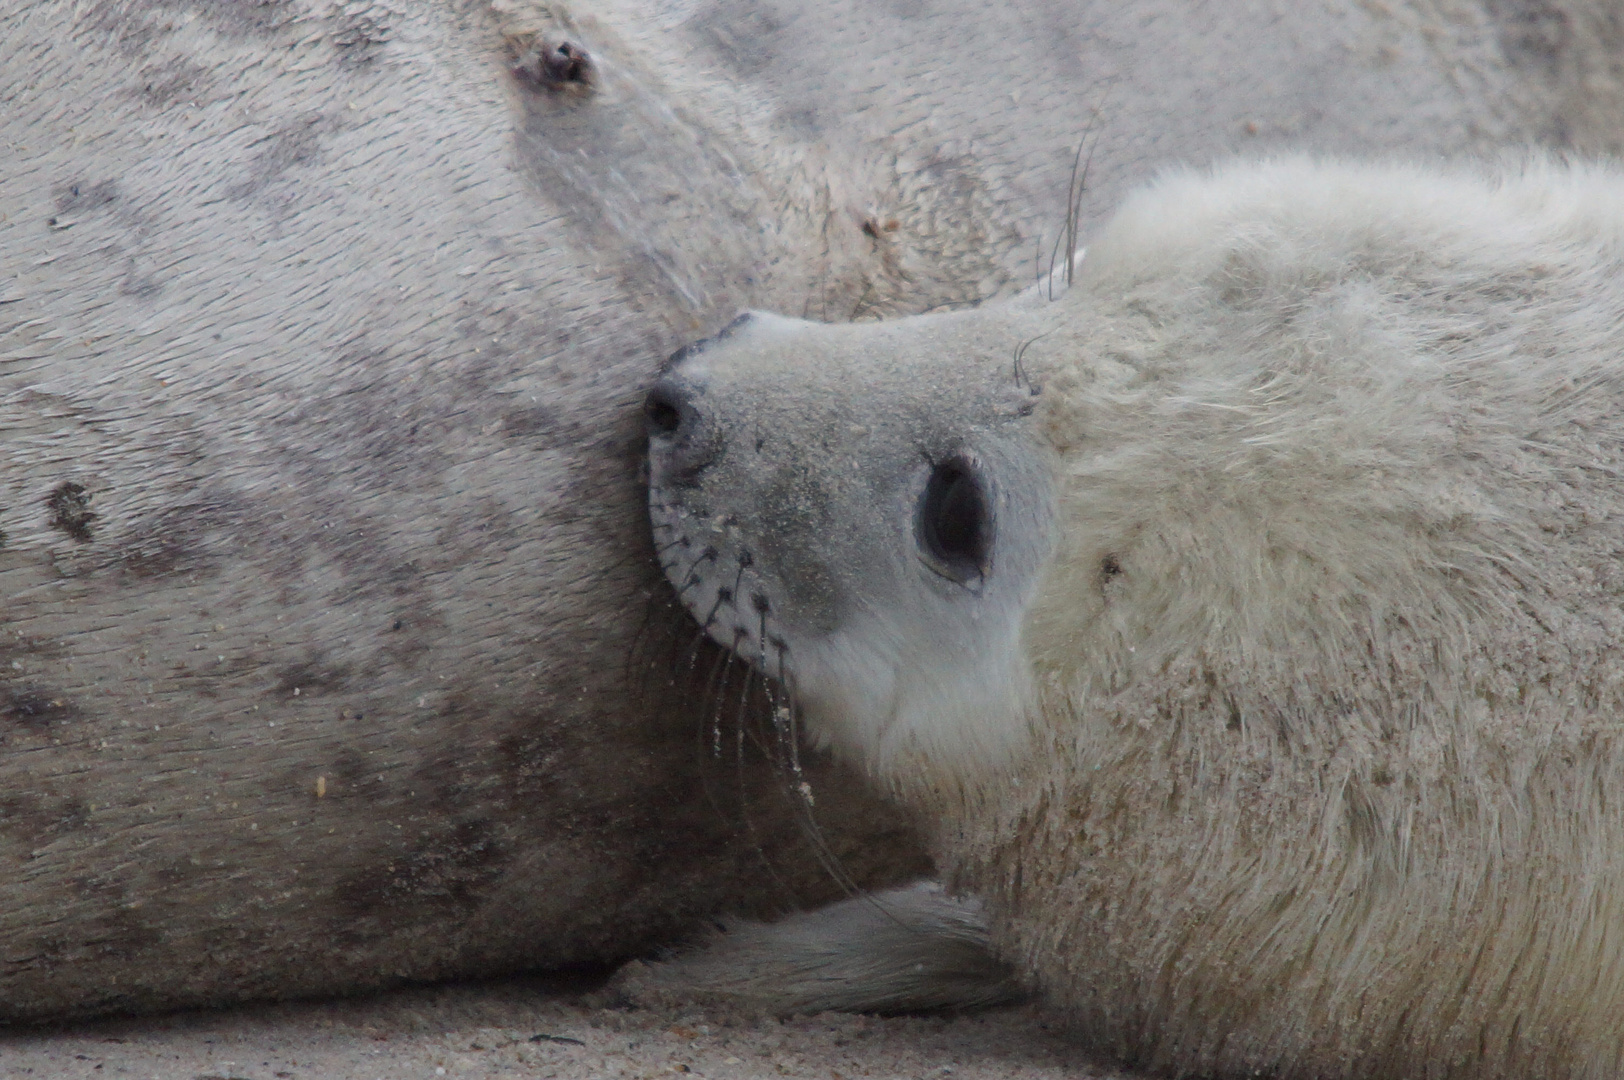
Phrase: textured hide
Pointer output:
(321, 338)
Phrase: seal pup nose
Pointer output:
(663, 409)
(679, 437)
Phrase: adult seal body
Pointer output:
(325, 650)
(1246, 620)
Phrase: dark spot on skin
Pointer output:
(347, 772)
(452, 871)
(359, 37)
(175, 872)
(70, 510)
(535, 420)
(1532, 33)
(189, 539)
(403, 578)
(35, 708)
(249, 17)
(139, 285)
(293, 145)
(1109, 567)
(314, 676)
(397, 625)
(744, 38)
(81, 196)
(555, 64)
(173, 80)
(41, 815)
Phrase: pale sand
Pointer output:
(535, 1029)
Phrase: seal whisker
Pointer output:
(661, 549)
(713, 698)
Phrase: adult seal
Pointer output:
(1246, 621)
(328, 599)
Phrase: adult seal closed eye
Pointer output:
(1246, 621)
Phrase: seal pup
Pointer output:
(1246, 621)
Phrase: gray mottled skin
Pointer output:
(321, 338)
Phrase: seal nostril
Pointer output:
(682, 440)
(662, 411)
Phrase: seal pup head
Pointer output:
(861, 511)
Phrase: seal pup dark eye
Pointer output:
(953, 526)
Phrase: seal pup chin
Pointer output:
(1246, 621)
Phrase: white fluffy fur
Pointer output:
(1323, 781)
(1323, 774)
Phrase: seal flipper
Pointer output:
(913, 949)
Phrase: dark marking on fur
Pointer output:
(35, 708)
(189, 539)
(746, 38)
(347, 772)
(358, 38)
(313, 676)
(83, 197)
(546, 427)
(244, 18)
(137, 284)
(1532, 33)
(69, 505)
(449, 872)
(294, 144)
(122, 930)
(137, 29)
(168, 556)
(531, 421)
(174, 80)
(41, 815)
